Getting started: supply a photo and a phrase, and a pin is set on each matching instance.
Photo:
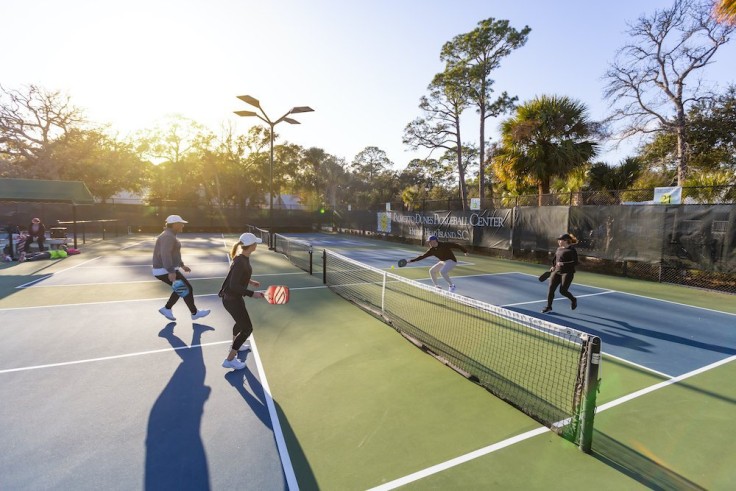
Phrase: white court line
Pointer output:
(275, 423)
(650, 298)
(136, 244)
(544, 300)
(483, 274)
(640, 367)
(130, 300)
(106, 358)
(148, 265)
(677, 303)
(576, 283)
(57, 272)
(278, 434)
(33, 285)
(529, 434)
(458, 460)
(666, 383)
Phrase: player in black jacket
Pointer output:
(563, 270)
(447, 260)
(233, 289)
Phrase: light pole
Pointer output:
(263, 117)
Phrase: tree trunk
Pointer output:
(681, 131)
(482, 148)
(543, 188)
(461, 179)
(461, 172)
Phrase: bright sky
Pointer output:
(361, 65)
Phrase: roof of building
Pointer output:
(40, 190)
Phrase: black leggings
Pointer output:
(557, 279)
(189, 299)
(243, 327)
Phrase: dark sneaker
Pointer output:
(574, 303)
(546, 309)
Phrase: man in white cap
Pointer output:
(167, 266)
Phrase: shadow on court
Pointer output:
(636, 465)
(256, 400)
(175, 455)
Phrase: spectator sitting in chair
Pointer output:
(35, 231)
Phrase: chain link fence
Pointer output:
(691, 244)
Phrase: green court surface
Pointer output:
(362, 408)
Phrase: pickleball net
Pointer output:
(299, 252)
(548, 371)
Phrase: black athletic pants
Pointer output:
(563, 280)
(189, 299)
(235, 305)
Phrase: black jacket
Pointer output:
(568, 256)
(443, 252)
(237, 280)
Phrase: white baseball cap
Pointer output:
(248, 239)
(175, 219)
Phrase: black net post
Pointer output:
(324, 266)
(590, 392)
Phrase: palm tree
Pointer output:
(549, 137)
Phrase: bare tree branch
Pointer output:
(647, 80)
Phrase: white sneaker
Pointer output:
(244, 347)
(167, 313)
(437, 286)
(200, 314)
(235, 364)
(452, 288)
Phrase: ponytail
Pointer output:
(234, 250)
(573, 239)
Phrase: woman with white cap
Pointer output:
(233, 289)
(167, 267)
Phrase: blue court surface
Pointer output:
(667, 338)
(97, 387)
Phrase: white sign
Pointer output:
(475, 203)
(388, 206)
(668, 196)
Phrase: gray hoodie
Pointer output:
(167, 252)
